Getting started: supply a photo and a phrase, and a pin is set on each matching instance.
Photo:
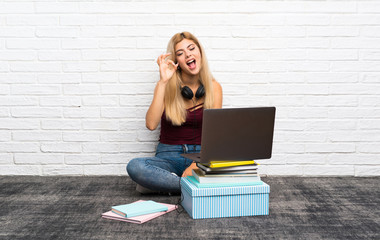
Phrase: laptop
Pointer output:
(236, 134)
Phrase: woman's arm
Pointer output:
(167, 68)
(153, 115)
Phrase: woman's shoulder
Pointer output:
(216, 85)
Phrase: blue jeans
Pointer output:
(155, 173)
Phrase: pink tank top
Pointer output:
(190, 132)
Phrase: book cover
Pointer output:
(224, 178)
(229, 173)
(139, 208)
(228, 169)
(138, 219)
(217, 185)
(218, 164)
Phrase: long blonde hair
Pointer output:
(174, 102)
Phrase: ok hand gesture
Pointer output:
(167, 67)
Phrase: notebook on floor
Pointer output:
(236, 134)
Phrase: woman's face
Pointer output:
(188, 56)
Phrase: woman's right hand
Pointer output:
(167, 67)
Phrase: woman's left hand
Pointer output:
(188, 171)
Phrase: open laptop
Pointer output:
(236, 134)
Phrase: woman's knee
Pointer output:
(133, 167)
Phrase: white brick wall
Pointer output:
(76, 79)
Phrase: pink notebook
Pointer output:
(138, 219)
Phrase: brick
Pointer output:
(105, 169)
(368, 7)
(92, 55)
(349, 66)
(56, 170)
(81, 89)
(332, 77)
(145, 136)
(327, 101)
(316, 31)
(20, 170)
(100, 101)
(355, 19)
(57, 78)
(307, 20)
(100, 77)
(367, 171)
(81, 137)
(119, 137)
(13, 147)
(17, 55)
(57, 101)
(99, 31)
(82, 159)
(352, 159)
(22, 32)
(16, 7)
(286, 170)
(31, 20)
(371, 101)
(330, 148)
(370, 78)
(6, 159)
(62, 7)
(19, 124)
(4, 89)
(36, 136)
(78, 20)
(305, 159)
(61, 124)
(369, 55)
(369, 147)
(28, 43)
(35, 67)
(59, 147)
(57, 32)
(35, 112)
(137, 147)
(116, 89)
(355, 43)
(118, 66)
(116, 159)
(318, 170)
(83, 66)
(369, 124)
(100, 125)
(18, 78)
(82, 43)
(332, 54)
(323, 125)
(38, 159)
(5, 136)
(101, 148)
(67, 55)
(82, 112)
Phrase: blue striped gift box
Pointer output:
(225, 201)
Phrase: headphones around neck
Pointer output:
(188, 93)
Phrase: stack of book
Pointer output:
(138, 212)
(226, 174)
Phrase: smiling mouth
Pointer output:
(192, 64)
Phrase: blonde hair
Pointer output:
(175, 110)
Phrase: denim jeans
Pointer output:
(155, 173)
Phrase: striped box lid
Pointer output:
(222, 191)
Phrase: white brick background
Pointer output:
(76, 79)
